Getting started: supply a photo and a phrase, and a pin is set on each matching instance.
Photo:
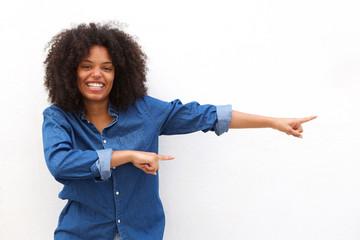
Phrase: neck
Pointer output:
(96, 110)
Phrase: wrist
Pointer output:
(131, 156)
(121, 157)
(273, 123)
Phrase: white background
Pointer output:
(280, 58)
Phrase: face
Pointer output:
(95, 76)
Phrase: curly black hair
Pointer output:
(69, 47)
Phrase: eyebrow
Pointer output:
(92, 62)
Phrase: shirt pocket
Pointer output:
(136, 140)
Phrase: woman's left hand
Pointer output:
(291, 126)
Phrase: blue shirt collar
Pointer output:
(112, 109)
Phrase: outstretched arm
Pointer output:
(290, 126)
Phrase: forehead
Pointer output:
(98, 52)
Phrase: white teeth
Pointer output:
(95, 85)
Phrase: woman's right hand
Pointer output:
(148, 161)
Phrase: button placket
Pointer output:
(103, 139)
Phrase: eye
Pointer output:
(108, 69)
(86, 67)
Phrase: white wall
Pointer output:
(278, 58)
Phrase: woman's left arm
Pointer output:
(290, 126)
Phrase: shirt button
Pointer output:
(88, 121)
(104, 141)
(114, 168)
(117, 193)
(118, 220)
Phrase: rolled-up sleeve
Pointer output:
(177, 118)
(65, 162)
(102, 165)
(223, 113)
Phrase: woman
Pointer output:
(101, 133)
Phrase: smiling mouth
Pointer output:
(95, 85)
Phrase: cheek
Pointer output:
(78, 82)
(81, 76)
(111, 80)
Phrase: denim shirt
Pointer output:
(104, 201)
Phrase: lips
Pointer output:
(95, 85)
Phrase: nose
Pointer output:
(96, 73)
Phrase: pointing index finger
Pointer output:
(162, 157)
(304, 120)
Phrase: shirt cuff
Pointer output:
(223, 113)
(103, 163)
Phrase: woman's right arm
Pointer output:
(146, 161)
(63, 161)
(67, 163)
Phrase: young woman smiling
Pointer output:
(101, 134)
